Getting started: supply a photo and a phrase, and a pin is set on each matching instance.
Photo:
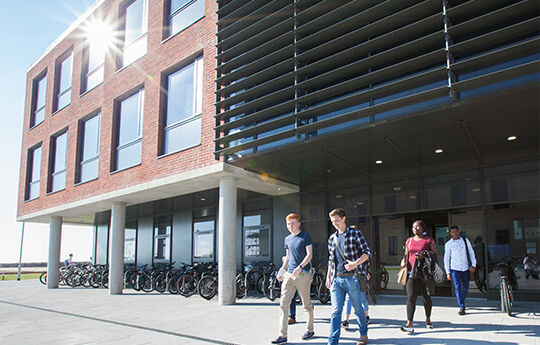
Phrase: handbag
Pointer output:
(439, 276)
(472, 275)
(402, 276)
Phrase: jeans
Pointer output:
(363, 300)
(340, 287)
(461, 284)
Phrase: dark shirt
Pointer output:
(297, 250)
(355, 246)
(340, 265)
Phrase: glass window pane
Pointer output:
(203, 239)
(130, 242)
(95, 78)
(40, 93)
(39, 116)
(60, 153)
(134, 21)
(102, 244)
(257, 242)
(129, 121)
(58, 181)
(63, 99)
(65, 74)
(89, 170)
(134, 51)
(91, 138)
(96, 56)
(182, 137)
(34, 190)
(36, 164)
(180, 95)
(129, 156)
(187, 16)
(176, 4)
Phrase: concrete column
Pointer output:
(53, 266)
(116, 248)
(227, 241)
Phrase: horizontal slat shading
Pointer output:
(289, 69)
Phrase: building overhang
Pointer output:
(82, 211)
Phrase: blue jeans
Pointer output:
(461, 284)
(340, 287)
(363, 300)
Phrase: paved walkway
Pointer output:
(32, 314)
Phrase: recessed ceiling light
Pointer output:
(512, 137)
(360, 203)
(203, 199)
(476, 189)
(438, 151)
(378, 162)
(397, 188)
(339, 196)
(328, 171)
(412, 197)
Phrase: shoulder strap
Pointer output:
(467, 250)
(339, 248)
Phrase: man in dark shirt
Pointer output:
(297, 262)
(353, 251)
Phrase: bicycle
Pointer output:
(382, 276)
(507, 284)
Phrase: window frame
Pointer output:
(117, 128)
(170, 15)
(35, 108)
(156, 222)
(80, 147)
(211, 217)
(58, 76)
(30, 169)
(198, 81)
(121, 60)
(86, 73)
(53, 151)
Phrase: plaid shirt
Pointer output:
(355, 246)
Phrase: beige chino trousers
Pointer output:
(289, 287)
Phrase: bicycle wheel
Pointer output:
(161, 284)
(240, 286)
(105, 279)
(383, 280)
(95, 280)
(260, 284)
(145, 283)
(324, 294)
(186, 285)
(207, 287)
(509, 299)
(275, 289)
(172, 286)
(43, 278)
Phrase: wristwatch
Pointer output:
(302, 267)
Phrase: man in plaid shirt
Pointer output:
(340, 277)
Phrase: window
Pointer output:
(204, 226)
(57, 170)
(93, 65)
(256, 220)
(63, 83)
(182, 120)
(203, 239)
(183, 13)
(102, 243)
(88, 149)
(392, 245)
(135, 31)
(39, 87)
(33, 173)
(130, 241)
(162, 238)
(128, 139)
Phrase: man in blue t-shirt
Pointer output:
(297, 263)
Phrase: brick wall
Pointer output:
(161, 55)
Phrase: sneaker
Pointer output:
(429, 325)
(291, 321)
(308, 335)
(344, 323)
(461, 312)
(407, 329)
(367, 319)
(279, 340)
(362, 340)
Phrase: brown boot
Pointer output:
(362, 340)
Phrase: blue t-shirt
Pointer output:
(340, 268)
(297, 250)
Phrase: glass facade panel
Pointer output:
(183, 137)
(102, 244)
(130, 241)
(452, 189)
(397, 195)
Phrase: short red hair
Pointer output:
(293, 216)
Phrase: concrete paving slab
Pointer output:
(32, 314)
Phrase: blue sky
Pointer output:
(27, 28)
